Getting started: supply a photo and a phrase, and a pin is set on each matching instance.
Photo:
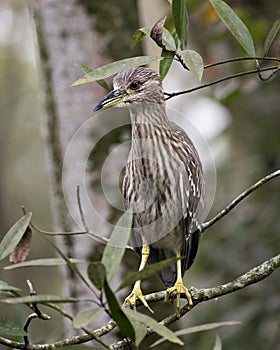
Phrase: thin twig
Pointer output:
(81, 209)
(238, 199)
(230, 60)
(237, 59)
(232, 76)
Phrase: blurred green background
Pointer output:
(249, 148)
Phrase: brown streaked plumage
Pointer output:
(163, 182)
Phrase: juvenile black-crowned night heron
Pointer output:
(163, 182)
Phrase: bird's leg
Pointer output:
(136, 291)
(179, 287)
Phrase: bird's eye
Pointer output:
(135, 85)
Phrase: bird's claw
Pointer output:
(180, 289)
(135, 295)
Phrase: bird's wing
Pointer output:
(192, 190)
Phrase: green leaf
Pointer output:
(168, 40)
(147, 272)
(139, 35)
(117, 313)
(154, 325)
(40, 299)
(194, 62)
(103, 84)
(10, 328)
(87, 70)
(115, 248)
(84, 68)
(4, 287)
(115, 67)
(181, 22)
(42, 262)
(140, 330)
(13, 236)
(200, 328)
(85, 317)
(96, 272)
(218, 343)
(235, 25)
(165, 64)
(271, 36)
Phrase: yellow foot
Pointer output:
(134, 296)
(181, 289)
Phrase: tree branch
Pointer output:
(238, 199)
(255, 275)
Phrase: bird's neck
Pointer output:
(145, 117)
(150, 127)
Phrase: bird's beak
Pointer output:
(112, 99)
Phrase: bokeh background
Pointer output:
(240, 120)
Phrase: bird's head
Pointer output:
(136, 85)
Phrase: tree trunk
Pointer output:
(65, 37)
(66, 32)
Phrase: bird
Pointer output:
(163, 183)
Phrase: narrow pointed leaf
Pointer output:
(218, 343)
(235, 25)
(85, 317)
(115, 248)
(43, 262)
(96, 272)
(9, 328)
(140, 330)
(14, 235)
(147, 272)
(165, 64)
(117, 313)
(154, 325)
(194, 62)
(271, 36)
(40, 299)
(83, 67)
(87, 70)
(4, 287)
(181, 22)
(200, 328)
(113, 68)
(138, 35)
